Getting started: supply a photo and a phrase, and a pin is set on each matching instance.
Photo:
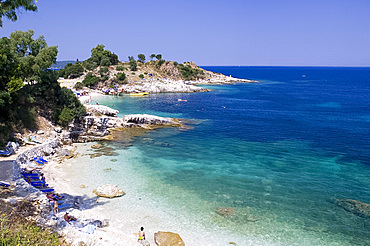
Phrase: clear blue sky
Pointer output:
(208, 32)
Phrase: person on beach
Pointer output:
(55, 205)
(69, 218)
(141, 234)
(29, 180)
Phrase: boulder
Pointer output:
(163, 238)
(101, 109)
(149, 120)
(356, 207)
(109, 191)
(225, 211)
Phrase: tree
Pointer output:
(90, 80)
(130, 58)
(159, 57)
(141, 58)
(152, 56)
(8, 8)
(133, 65)
(24, 59)
(102, 57)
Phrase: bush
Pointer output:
(159, 63)
(190, 73)
(121, 76)
(141, 76)
(103, 70)
(90, 80)
(90, 64)
(119, 68)
(133, 65)
(79, 86)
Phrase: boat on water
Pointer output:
(139, 94)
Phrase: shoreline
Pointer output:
(117, 232)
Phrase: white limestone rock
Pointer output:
(109, 191)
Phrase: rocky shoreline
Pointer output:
(94, 126)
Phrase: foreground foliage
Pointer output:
(15, 229)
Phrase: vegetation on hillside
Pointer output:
(28, 88)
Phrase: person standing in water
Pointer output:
(141, 234)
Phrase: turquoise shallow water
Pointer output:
(279, 152)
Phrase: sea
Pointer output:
(276, 155)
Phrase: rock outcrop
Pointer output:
(99, 121)
(101, 109)
(109, 191)
(163, 238)
(356, 207)
(162, 87)
(146, 119)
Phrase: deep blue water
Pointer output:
(284, 148)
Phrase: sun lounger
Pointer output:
(4, 184)
(47, 190)
(5, 153)
(31, 175)
(33, 139)
(37, 160)
(27, 142)
(42, 159)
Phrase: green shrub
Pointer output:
(121, 76)
(90, 80)
(119, 68)
(79, 86)
(141, 76)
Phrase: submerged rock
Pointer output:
(97, 146)
(163, 238)
(109, 191)
(225, 211)
(95, 155)
(358, 208)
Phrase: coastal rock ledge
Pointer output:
(163, 238)
(109, 191)
(356, 207)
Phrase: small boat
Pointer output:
(139, 94)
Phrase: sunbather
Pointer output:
(69, 218)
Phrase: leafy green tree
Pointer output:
(8, 8)
(141, 58)
(133, 65)
(152, 56)
(102, 57)
(66, 115)
(113, 59)
(23, 59)
(90, 65)
(103, 71)
(159, 57)
(72, 70)
(90, 80)
(130, 58)
(105, 61)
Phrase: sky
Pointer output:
(208, 32)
